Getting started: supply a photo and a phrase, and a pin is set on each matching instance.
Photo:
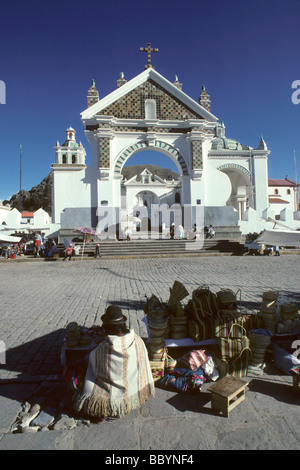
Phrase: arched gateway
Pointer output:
(150, 112)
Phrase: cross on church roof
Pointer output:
(148, 49)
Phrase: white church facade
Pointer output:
(225, 178)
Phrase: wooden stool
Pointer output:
(227, 393)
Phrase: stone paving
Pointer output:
(39, 298)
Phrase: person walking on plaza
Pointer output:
(68, 252)
(97, 251)
(276, 250)
(210, 232)
(37, 244)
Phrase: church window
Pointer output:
(288, 191)
(73, 158)
(150, 109)
(177, 198)
(64, 158)
(146, 180)
(198, 202)
(276, 191)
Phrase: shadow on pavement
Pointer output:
(39, 357)
(279, 391)
(192, 402)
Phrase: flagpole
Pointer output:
(295, 166)
(20, 197)
(296, 189)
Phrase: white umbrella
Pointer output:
(85, 231)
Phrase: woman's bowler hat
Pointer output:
(113, 316)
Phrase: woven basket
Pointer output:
(269, 298)
(157, 369)
(260, 341)
(157, 331)
(289, 311)
(193, 329)
(156, 341)
(179, 335)
(258, 346)
(170, 363)
(227, 299)
(269, 318)
(179, 327)
(257, 355)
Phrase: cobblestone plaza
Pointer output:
(38, 299)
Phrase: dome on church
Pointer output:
(71, 144)
(219, 143)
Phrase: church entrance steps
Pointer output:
(160, 248)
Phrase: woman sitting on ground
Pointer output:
(118, 377)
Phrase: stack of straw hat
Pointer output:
(179, 322)
(158, 327)
(289, 311)
(268, 310)
(73, 335)
(75, 338)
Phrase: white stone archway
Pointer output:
(241, 187)
(159, 146)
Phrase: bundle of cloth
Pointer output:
(191, 372)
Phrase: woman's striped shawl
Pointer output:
(118, 377)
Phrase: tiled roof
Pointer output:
(277, 199)
(281, 183)
(27, 214)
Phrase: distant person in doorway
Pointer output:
(172, 231)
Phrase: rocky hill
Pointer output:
(40, 195)
(37, 197)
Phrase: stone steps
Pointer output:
(159, 248)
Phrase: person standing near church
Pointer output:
(97, 251)
(276, 250)
(68, 252)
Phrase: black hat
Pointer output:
(113, 316)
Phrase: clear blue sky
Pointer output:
(245, 52)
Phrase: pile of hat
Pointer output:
(268, 310)
(178, 321)
(289, 319)
(74, 338)
(158, 328)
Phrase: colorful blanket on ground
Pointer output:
(184, 380)
(118, 377)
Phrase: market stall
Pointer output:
(207, 338)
